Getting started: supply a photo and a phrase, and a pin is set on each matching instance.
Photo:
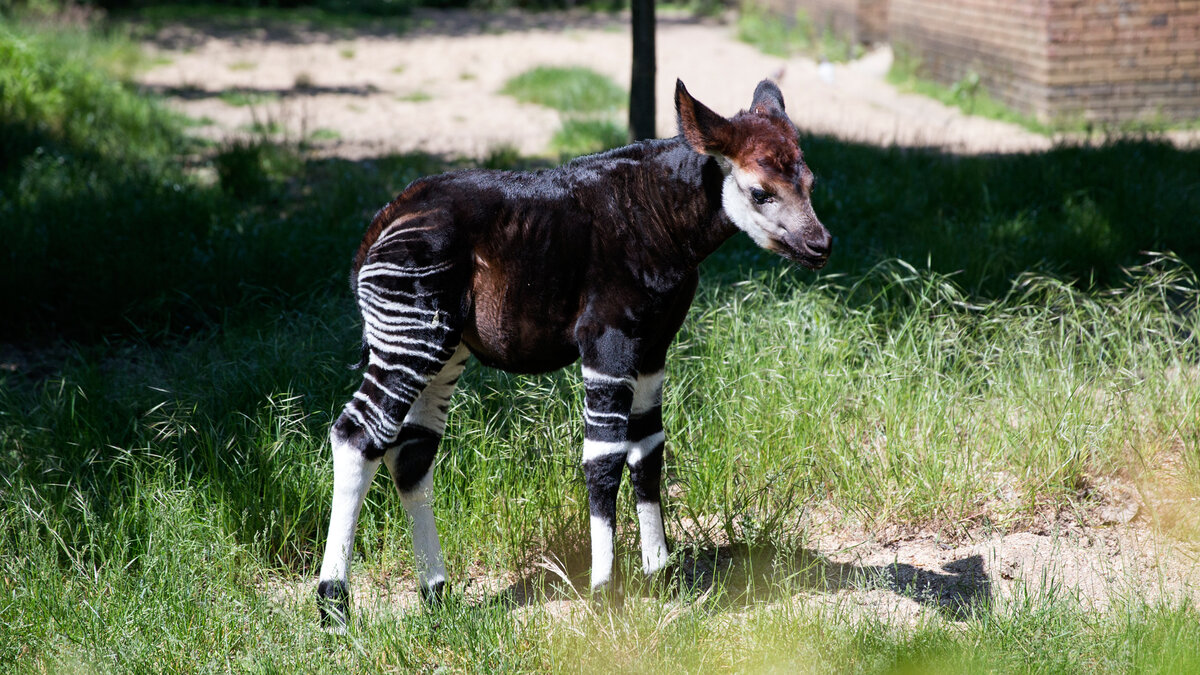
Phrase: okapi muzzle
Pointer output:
(768, 188)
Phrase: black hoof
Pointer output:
(609, 596)
(434, 595)
(333, 604)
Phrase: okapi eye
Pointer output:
(760, 196)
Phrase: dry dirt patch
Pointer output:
(434, 89)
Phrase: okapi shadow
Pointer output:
(738, 575)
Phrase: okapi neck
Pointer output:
(688, 222)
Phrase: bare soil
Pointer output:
(435, 89)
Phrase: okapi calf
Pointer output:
(529, 271)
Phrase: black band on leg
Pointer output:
(416, 448)
(646, 476)
(603, 476)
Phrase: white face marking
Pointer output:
(602, 552)
(352, 476)
(654, 539)
(427, 549)
(745, 214)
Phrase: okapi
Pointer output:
(595, 261)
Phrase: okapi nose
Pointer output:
(821, 244)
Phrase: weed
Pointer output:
(267, 128)
(417, 96)
(568, 90)
(585, 136)
(324, 134)
(778, 36)
(241, 98)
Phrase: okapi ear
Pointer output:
(707, 132)
(768, 100)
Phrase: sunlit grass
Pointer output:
(785, 36)
(567, 89)
(585, 136)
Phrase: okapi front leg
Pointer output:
(607, 402)
(645, 461)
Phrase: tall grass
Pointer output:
(155, 500)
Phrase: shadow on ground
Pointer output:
(173, 28)
(739, 575)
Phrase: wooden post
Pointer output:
(641, 89)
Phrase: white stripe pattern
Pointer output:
(595, 449)
(590, 375)
(639, 449)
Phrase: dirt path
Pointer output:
(435, 88)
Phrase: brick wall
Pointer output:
(1103, 60)
(1124, 60)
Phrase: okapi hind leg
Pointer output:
(353, 472)
(410, 303)
(410, 462)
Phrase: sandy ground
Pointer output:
(434, 89)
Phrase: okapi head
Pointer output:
(768, 188)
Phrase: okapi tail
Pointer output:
(364, 353)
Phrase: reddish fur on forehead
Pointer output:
(763, 141)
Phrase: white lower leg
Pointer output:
(352, 476)
(426, 547)
(602, 551)
(654, 538)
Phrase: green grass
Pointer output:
(968, 95)
(179, 350)
(324, 134)
(417, 96)
(587, 100)
(585, 136)
(779, 36)
(971, 96)
(569, 90)
(240, 98)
